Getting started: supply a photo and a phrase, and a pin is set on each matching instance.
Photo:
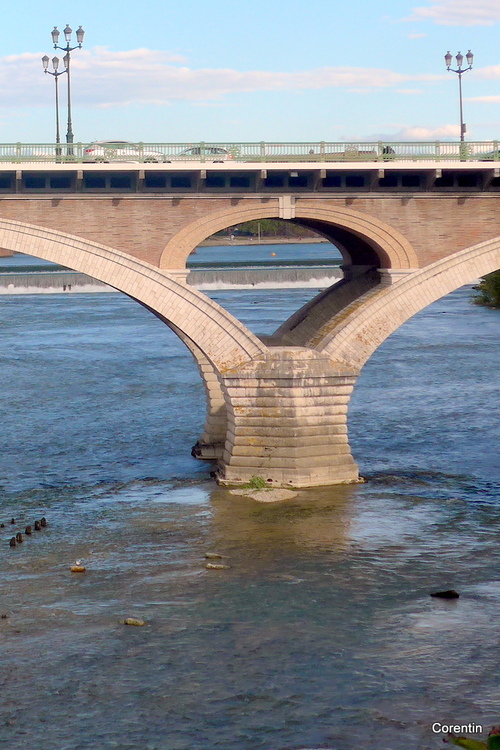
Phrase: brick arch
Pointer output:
(225, 341)
(392, 249)
(354, 334)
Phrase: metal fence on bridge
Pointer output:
(261, 152)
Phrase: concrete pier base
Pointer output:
(287, 420)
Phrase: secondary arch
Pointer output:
(225, 341)
(360, 328)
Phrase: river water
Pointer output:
(322, 632)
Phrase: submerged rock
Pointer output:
(217, 566)
(12, 542)
(133, 621)
(449, 594)
(265, 495)
(213, 556)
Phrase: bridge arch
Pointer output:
(222, 339)
(353, 335)
(374, 242)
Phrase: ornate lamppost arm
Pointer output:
(460, 71)
(67, 60)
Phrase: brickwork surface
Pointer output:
(409, 231)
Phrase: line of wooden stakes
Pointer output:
(28, 531)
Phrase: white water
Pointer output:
(320, 283)
(86, 288)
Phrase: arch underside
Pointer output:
(362, 238)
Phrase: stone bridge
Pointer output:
(277, 406)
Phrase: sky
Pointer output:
(269, 70)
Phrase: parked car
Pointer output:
(489, 156)
(106, 151)
(205, 153)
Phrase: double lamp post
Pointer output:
(68, 49)
(460, 70)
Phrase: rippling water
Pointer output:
(322, 633)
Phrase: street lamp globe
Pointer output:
(67, 33)
(447, 59)
(80, 33)
(470, 58)
(45, 62)
(55, 35)
(459, 59)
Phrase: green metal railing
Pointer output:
(261, 152)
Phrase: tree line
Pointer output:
(267, 228)
(488, 290)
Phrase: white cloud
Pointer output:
(490, 73)
(418, 133)
(416, 36)
(459, 12)
(104, 78)
(493, 99)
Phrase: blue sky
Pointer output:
(267, 70)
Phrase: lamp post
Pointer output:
(67, 59)
(460, 71)
(56, 73)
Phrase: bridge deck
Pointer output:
(239, 177)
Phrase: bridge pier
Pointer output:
(287, 420)
(210, 446)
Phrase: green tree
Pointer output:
(489, 290)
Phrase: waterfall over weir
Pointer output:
(318, 276)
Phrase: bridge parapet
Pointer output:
(263, 152)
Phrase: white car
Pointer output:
(106, 151)
(205, 153)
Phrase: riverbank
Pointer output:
(214, 241)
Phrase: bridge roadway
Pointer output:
(409, 233)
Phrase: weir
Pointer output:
(318, 277)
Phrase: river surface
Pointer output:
(322, 632)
